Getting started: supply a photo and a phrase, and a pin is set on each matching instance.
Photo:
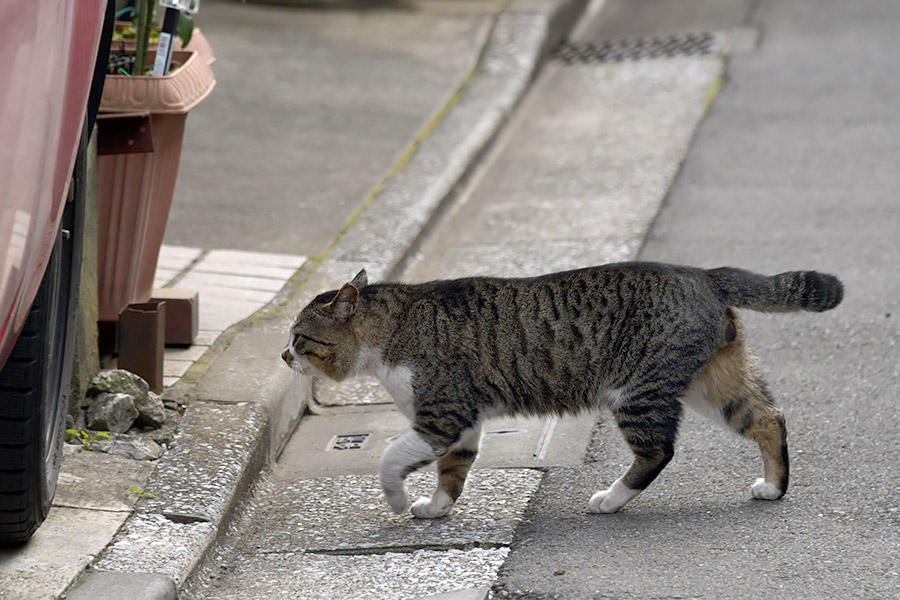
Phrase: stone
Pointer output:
(111, 412)
(166, 433)
(151, 412)
(137, 448)
(119, 381)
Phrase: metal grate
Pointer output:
(348, 441)
(687, 44)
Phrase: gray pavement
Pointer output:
(312, 109)
(792, 168)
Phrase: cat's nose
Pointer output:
(287, 357)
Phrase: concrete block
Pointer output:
(110, 585)
(182, 314)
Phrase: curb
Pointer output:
(225, 441)
(115, 586)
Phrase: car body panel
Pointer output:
(48, 49)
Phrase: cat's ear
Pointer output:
(361, 280)
(344, 304)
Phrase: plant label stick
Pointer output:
(164, 51)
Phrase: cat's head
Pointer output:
(323, 338)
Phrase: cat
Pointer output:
(643, 339)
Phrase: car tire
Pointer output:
(35, 382)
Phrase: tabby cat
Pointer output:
(643, 339)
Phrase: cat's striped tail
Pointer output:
(794, 290)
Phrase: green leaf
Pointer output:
(185, 28)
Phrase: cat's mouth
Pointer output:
(290, 360)
(298, 364)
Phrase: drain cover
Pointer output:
(348, 441)
(687, 44)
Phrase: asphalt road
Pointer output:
(794, 167)
(308, 114)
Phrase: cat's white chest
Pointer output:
(398, 382)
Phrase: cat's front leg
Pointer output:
(409, 452)
(453, 468)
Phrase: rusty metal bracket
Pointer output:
(124, 134)
(142, 338)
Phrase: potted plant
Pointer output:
(141, 125)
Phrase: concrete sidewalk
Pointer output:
(242, 404)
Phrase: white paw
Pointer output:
(611, 500)
(426, 508)
(397, 500)
(599, 503)
(763, 490)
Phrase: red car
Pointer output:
(51, 64)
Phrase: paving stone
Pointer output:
(361, 577)
(215, 292)
(176, 258)
(349, 514)
(189, 353)
(79, 487)
(65, 544)
(163, 276)
(175, 368)
(107, 585)
(199, 281)
(207, 337)
(152, 543)
(266, 272)
(240, 257)
(360, 390)
(221, 313)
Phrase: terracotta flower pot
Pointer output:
(135, 190)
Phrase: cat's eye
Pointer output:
(315, 341)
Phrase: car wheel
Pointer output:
(36, 379)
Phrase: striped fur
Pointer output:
(642, 338)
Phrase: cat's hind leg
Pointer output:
(730, 391)
(649, 423)
(453, 468)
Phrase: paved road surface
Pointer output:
(794, 167)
